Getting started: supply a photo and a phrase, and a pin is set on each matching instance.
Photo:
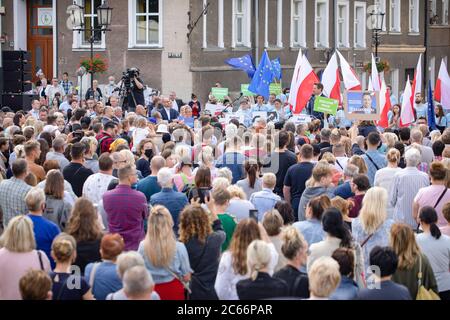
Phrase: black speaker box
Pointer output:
(16, 75)
(18, 102)
(16, 55)
(16, 65)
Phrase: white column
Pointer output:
(280, 23)
(205, 18)
(220, 43)
(55, 37)
(266, 24)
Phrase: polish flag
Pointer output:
(385, 103)
(407, 113)
(376, 83)
(330, 79)
(417, 82)
(351, 81)
(369, 85)
(294, 89)
(442, 89)
(304, 86)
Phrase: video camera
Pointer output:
(128, 75)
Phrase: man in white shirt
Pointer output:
(173, 99)
(110, 87)
(427, 152)
(341, 158)
(35, 106)
(97, 184)
(53, 89)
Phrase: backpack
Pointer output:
(187, 186)
(99, 146)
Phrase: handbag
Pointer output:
(422, 292)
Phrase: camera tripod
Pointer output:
(124, 96)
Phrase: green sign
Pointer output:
(275, 88)
(325, 105)
(245, 91)
(219, 93)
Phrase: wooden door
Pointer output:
(40, 37)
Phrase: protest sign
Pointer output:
(326, 105)
(219, 93)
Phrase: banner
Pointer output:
(326, 105)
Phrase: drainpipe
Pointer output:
(256, 33)
(426, 45)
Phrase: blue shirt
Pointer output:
(173, 201)
(149, 186)
(264, 200)
(311, 230)
(106, 279)
(378, 159)
(261, 108)
(347, 290)
(235, 162)
(442, 122)
(44, 233)
(447, 117)
(248, 120)
(344, 191)
(343, 121)
(421, 110)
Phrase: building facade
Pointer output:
(181, 45)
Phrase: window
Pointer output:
(220, 43)
(145, 23)
(360, 25)
(81, 39)
(279, 30)
(432, 8)
(394, 16)
(321, 31)
(445, 12)
(205, 28)
(414, 16)
(343, 24)
(241, 23)
(381, 7)
(298, 17)
(395, 82)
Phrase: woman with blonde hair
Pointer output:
(130, 161)
(273, 223)
(233, 263)
(385, 176)
(206, 158)
(413, 265)
(140, 133)
(331, 159)
(324, 278)
(57, 209)
(203, 244)
(261, 285)
(295, 250)
(165, 258)
(390, 138)
(84, 226)
(64, 252)
(239, 205)
(90, 161)
(18, 254)
(360, 163)
(371, 228)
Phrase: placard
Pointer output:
(230, 116)
(259, 114)
(326, 105)
(214, 109)
(362, 105)
(219, 93)
(275, 88)
(245, 91)
(300, 119)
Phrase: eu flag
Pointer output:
(244, 63)
(276, 65)
(431, 116)
(263, 77)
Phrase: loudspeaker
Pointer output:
(18, 102)
(16, 55)
(16, 82)
(16, 65)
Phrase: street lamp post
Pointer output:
(377, 19)
(104, 13)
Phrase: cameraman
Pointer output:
(136, 90)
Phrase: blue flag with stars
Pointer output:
(263, 77)
(244, 63)
(276, 65)
(431, 116)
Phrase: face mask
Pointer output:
(149, 153)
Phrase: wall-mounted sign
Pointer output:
(175, 55)
(45, 17)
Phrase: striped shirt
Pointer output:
(405, 186)
(12, 194)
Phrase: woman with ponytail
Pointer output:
(260, 285)
(337, 236)
(252, 183)
(436, 248)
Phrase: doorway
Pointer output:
(40, 37)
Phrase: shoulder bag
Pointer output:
(373, 162)
(422, 292)
(435, 206)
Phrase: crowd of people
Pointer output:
(168, 202)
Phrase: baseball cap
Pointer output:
(162, 128)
